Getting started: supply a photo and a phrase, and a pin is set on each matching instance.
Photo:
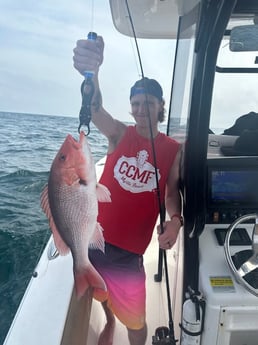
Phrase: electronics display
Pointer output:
(239, 237)
(239, 187)
(232, 188)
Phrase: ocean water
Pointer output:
(28, 144)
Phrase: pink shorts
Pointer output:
(124, 275)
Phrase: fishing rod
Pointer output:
(163, 335)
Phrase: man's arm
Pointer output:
(173, 205)
(110, 127)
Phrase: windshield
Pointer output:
(235, 87)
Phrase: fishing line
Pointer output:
(87, 88)
(161, 332)
(149, 119)
(92, 15)
(135, 57)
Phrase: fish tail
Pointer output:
(86, 278)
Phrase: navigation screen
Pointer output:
(234, 187)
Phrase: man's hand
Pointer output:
(88, 55)
(168, 238)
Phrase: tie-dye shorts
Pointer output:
(124, 275)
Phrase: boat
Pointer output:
(213, 266)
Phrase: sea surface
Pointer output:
(28, 144)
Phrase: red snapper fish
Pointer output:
(70, 201)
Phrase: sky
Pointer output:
(37, 76)
(36, 67)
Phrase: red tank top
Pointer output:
(129, 173)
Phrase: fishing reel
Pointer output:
(162, 337)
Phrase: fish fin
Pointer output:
(61, 246)
(86, 278)
(97, 240)
(103, 194)
(44, 201)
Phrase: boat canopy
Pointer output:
(159, 18)
(151, 18)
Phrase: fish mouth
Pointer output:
(82, 137)
(76, 144)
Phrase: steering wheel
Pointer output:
(250, 264)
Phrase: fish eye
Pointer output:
(62, 157)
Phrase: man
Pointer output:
(129, 173)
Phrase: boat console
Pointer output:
(228, 271)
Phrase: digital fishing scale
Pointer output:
(87, 91)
